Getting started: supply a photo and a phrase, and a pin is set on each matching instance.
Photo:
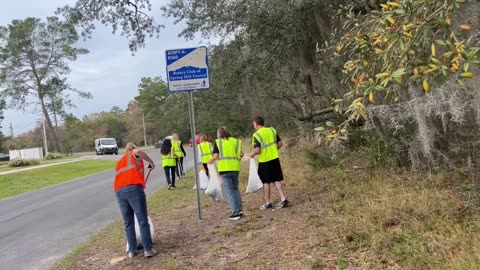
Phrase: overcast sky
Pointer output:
(109, 71)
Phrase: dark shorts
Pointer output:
(270, 171)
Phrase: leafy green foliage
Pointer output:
(11, 144)
(52, 155)
(79, 135)
(408, 43)
(22, 162)
(164, 113)
(320, 158)
(130, 16)
(267, 60)
(33, 55)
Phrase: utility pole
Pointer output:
(45, 145)
(144, 129)
(11, 130)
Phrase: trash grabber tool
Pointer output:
(148, 174)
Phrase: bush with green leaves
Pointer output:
(18, 162)
(52, 155)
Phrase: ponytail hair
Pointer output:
(223, 133)
(130, 146)
(166, 147)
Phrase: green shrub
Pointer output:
(52, 155)
(377, 151)
(320, 158)
(22, 162)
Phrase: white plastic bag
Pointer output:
(254, 182)
(137, 232)
(203, 180)
(214, 188)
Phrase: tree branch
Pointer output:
(316, 113)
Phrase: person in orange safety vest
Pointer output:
(129, 188)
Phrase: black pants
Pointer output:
(170, 175)
(179, 169)
(205, 166)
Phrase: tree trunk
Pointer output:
(50, 126)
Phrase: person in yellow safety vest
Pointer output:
(204, 152)
(266, 144)
(228, 151)
(180, 153)
(169, 162)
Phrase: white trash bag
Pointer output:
(254, 182)
(203, 180)
(214, 188)
(137, 232)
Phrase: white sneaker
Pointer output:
(150, 253)
(266, 206)
(235, 217)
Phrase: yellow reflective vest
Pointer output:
(267, 136)
(168, 160)
(205, 151)
(229, 154)
(177, 148)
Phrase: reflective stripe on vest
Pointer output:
(268, 143)
(138, 162)
(177, 147)
(129, 172)
(229, 154)
(205, 152)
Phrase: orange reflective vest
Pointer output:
(129, 172)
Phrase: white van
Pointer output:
(106, 146)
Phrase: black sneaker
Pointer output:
(240, 213)
(266, 206)
(235, 217)
(283, 204)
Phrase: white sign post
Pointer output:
(187, 71)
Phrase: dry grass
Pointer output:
(395, 220)
(340, 219)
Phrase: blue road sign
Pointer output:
(187, 69)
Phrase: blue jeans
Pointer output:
(131, 199)
(230, 182)
(170, 175)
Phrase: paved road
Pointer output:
(39, 227)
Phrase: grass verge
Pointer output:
(341, 218)
(21, 182)
(5, 167)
